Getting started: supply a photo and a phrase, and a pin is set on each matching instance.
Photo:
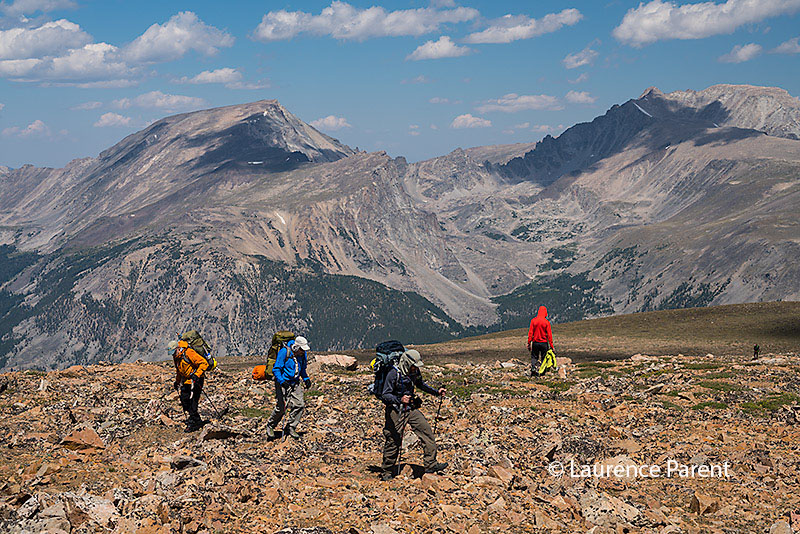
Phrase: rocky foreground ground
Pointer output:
(101, 448)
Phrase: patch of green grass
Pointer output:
(35, 372)
(702, 366)
(723, 374)
(771, 403)
(598, 365)
(719, 386)
(710, 404)
(252, 412)
(670, 405)
(313, 393)
(506, 391)
(557, 385)
(672, 393)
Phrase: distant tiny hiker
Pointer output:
(540, 339)
(289, 370)
(756, 349)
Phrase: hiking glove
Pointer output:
(307, 383)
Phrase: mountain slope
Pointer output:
(242, 220)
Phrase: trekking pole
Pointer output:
(217, 412)
(400, 452)
(436, 421)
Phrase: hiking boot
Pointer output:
(436, 468)
(270, 432)
(387, 476)
(192, 428)
(293, 433)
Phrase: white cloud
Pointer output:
(182, 33)
(163, 101)
(2, 106)
(513, 28)
(579, 59)
(35, 129)
(580, 97)
(439, 100)
(49, 39)
(522, 126)
(512, 103)
(224, 75)
(434, 127)
(442, 48)
(660, 20)
(112, 119)
(413, 133)
(343, 21)
(419, 79)
(92, 62)
(582, 78)
(330, 122)
(789, 47)
(263, 84)
(26, 7)
(87, 106)
(468, 121)
(542, 128)
(741, 53)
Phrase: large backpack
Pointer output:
(387, 354)
(199, 345)
(280, 339)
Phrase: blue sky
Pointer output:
(417, 79)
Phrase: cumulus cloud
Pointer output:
(35, 129)
(112, 119)
(468, 121)
(660, 20)
(579, 59)
(49, 39)
(26, 7)
(96, 61)
(522, 126)
(580, 97)
(515, 27)
(741, 53)
(163, 101)
(542, 128)
(341, 20)
(439, 100)
(582, 78)
(182, 33)
(789, 47)
(331, 123)
(2, 106)
(225, 75)
(512, 103)
(87, 106)
(444, 47)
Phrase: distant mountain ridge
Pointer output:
(244, 219)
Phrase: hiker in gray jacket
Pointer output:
(402, 408)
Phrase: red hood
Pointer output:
(542, 313)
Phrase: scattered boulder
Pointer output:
(780, 527)
(338, 360)
(182, 461)
(83, 439)
(703, 504)
(605, 510)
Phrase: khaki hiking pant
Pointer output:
(290, 395)
(395, 424)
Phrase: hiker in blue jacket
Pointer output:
(290, 371)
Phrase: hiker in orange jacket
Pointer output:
(190, 370)
(540, 339)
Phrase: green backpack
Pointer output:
(279, 340)
(199, 345)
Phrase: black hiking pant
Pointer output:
(393, 430)
(190, 399)
(538, 350)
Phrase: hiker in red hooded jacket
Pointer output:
(540, 339)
